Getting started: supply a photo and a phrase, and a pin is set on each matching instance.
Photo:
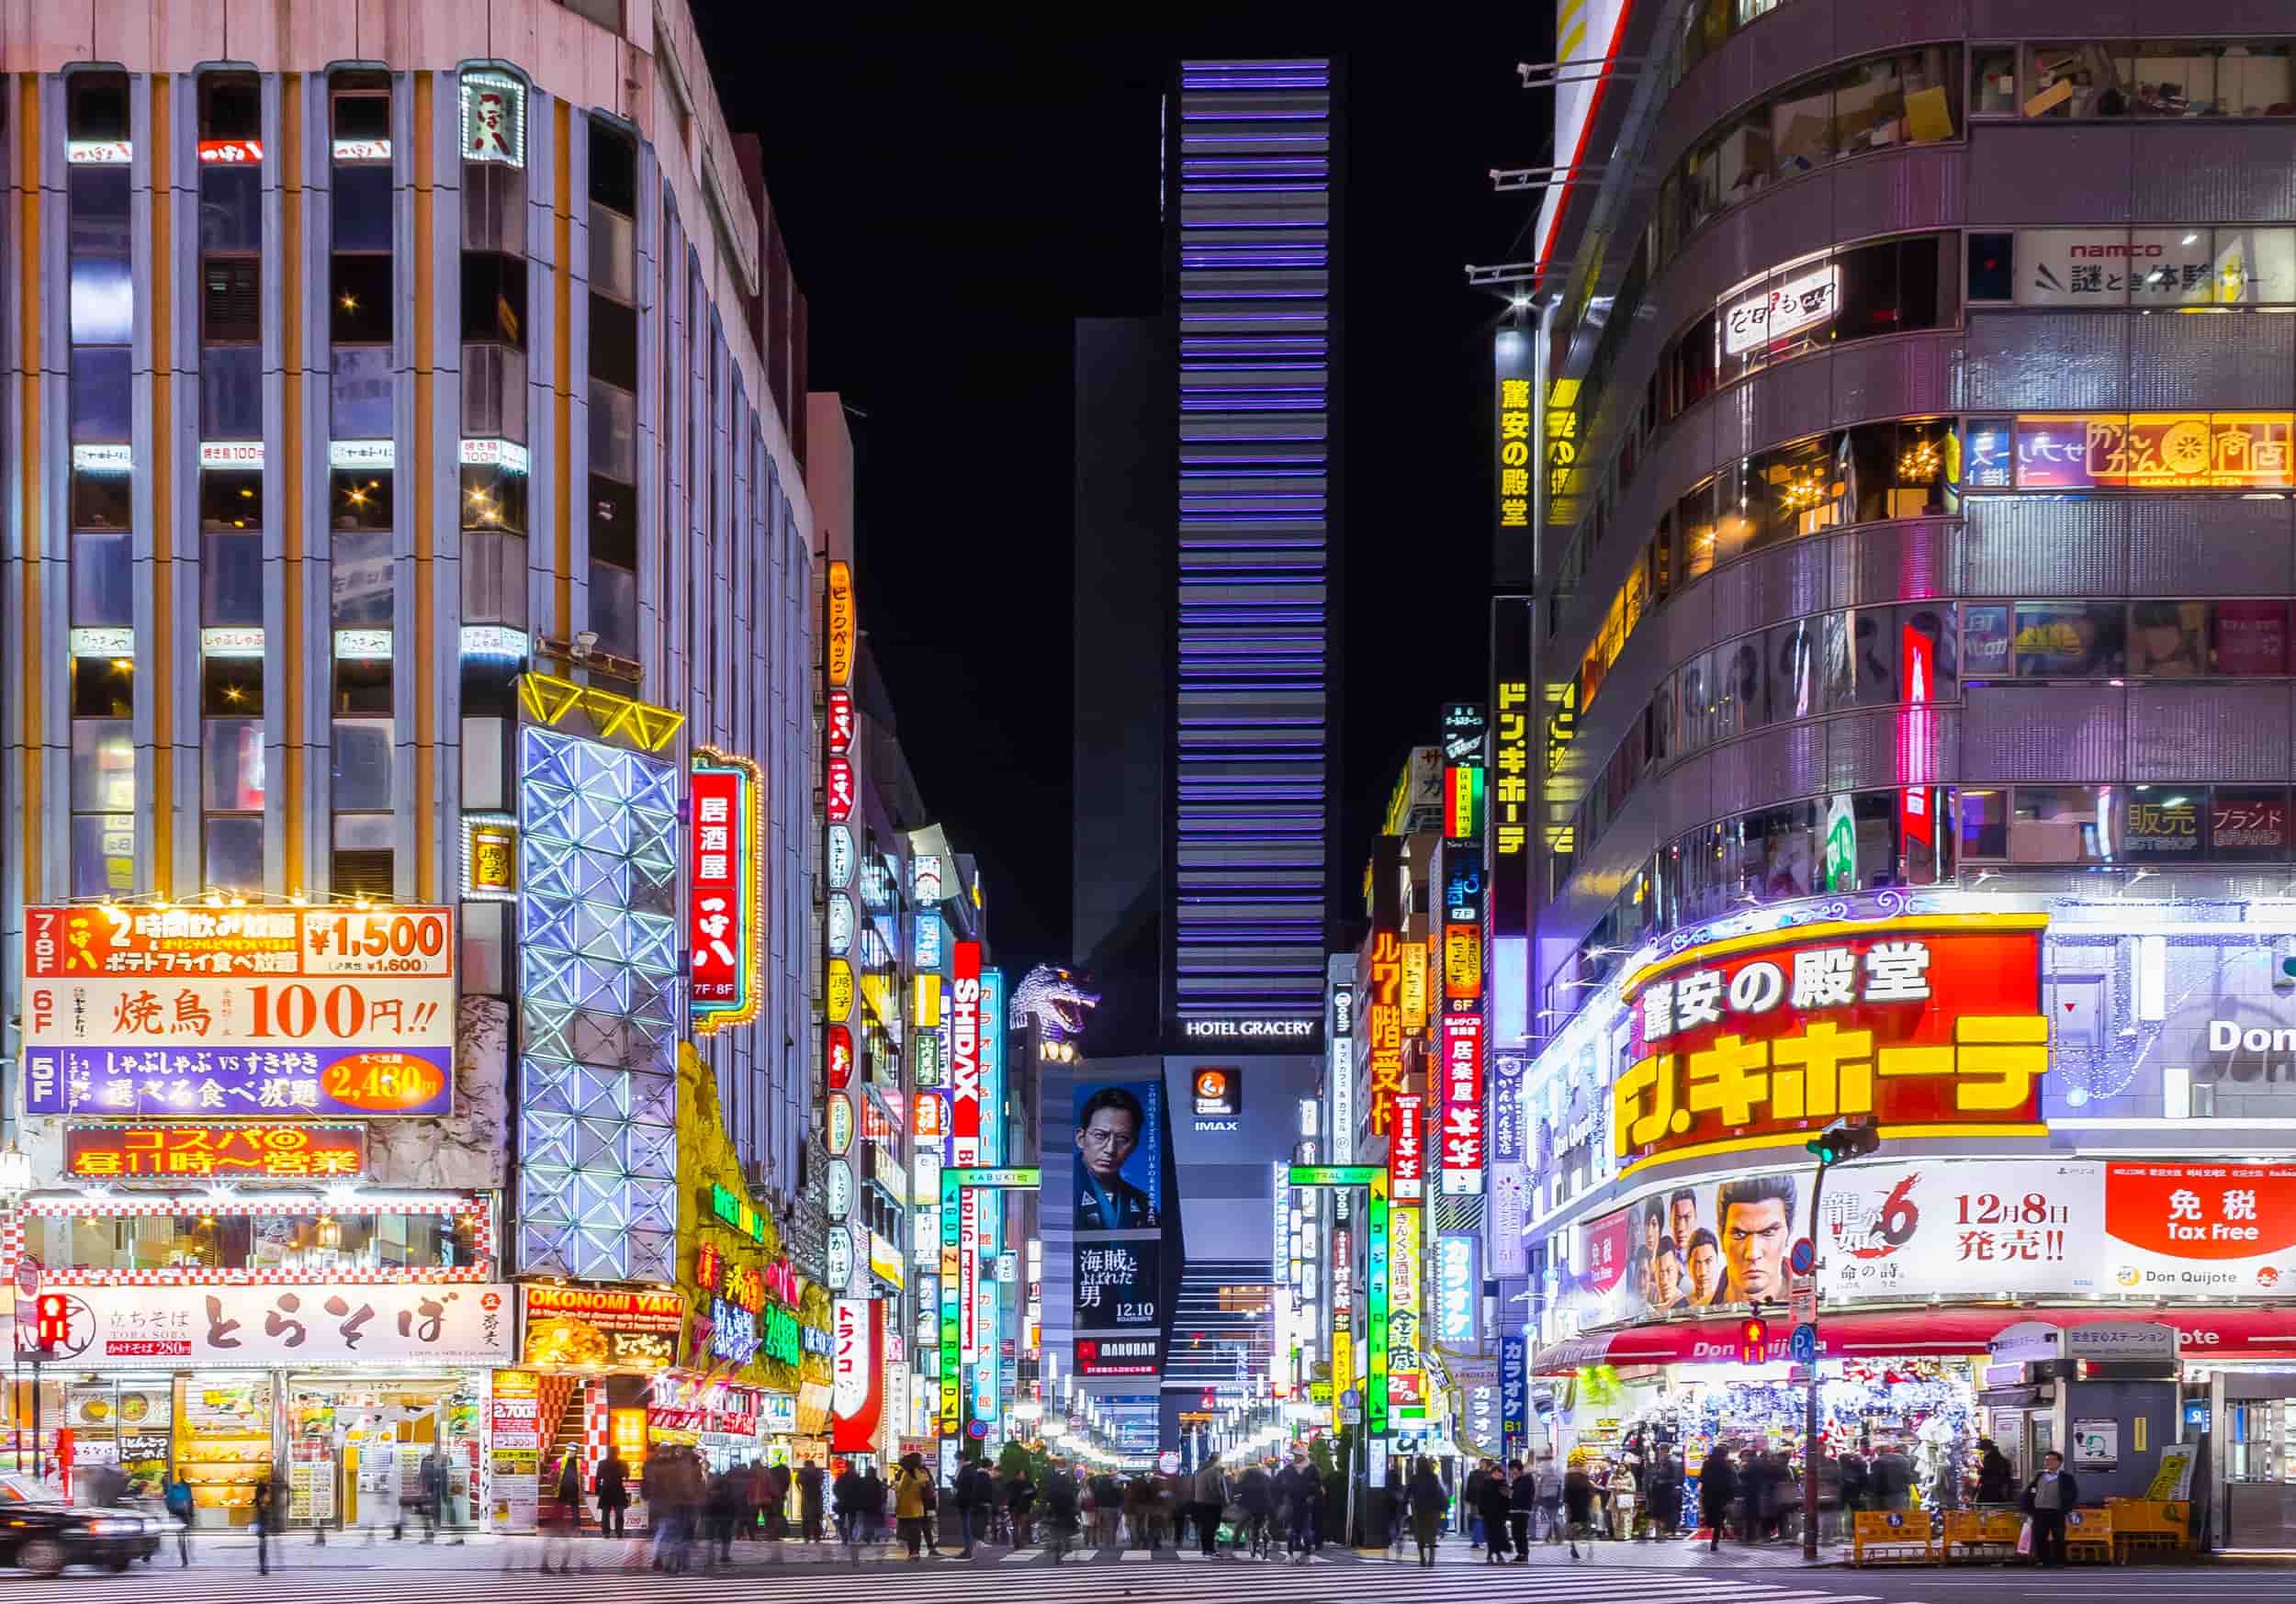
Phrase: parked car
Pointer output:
(41, 1533)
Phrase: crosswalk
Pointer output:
(1110, 1576)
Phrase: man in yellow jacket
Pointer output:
(909, 1482)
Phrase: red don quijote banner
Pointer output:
(2202, 1211)
(1925, 1020)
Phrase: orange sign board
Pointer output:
(254, 1152)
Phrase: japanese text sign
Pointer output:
(1407, 1148)
(964, 1052)
(2155, 450)
(112, 1327)
(839, 652)
(1511, 363)
(248, 1152)
(1914, 1021)
(1460, 1135)
(1779, 309)
(238, 1011)
(1384, 1018)
(725, 867)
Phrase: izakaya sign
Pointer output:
(1929, 1020)
(215, 1012)
(726, 889)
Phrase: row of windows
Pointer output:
(1923, 651)
(2134, 78)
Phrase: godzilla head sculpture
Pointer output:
(1055, 999)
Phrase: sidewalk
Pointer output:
(490, 1552)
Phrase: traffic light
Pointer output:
(1845, 1138)
(1753, 1342)
(53, 1326)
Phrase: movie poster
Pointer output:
(1122, 1208)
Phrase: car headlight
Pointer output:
(111, 1527)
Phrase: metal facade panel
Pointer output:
(2216, 732)
(1787, 402)
(1736, 598)
(1893, 378)
(2211, 172)
(1687, 624)
(1778, 764)
(2208, 545)
(2024, 174)
(1898, 746)
(2228, 361)
(1892, 192)
(1890, 562)
(2043, 731)
(2048, 360)
(1877, 24)
(2029, 547)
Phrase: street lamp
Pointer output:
(1842, 1140)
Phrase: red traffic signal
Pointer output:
(1753, 1342)
(54, 1319)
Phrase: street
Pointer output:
(413, 1574)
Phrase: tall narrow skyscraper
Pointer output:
(1252, 231)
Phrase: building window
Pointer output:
(614, 366)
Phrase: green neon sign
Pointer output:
(1375, 1368)
(1337, 1174)
(954, 1183)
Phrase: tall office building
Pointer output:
(1207, 530)
(1251, 187)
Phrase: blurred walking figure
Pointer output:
(909, 1482)
(613, 1494)
(1429, 1503)
(809, 1481)
(565, 1518)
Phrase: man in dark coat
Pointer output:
(809, 1480)
(2050, 1496)
(613, 1494)
(1494, 1502)
(1717, 1488)
(1521, 1503)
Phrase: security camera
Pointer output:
(585, 642)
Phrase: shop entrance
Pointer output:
(357, 1450)
(2253, 1417)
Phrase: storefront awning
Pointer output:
(1917, 1333)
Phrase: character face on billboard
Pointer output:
(1108, 1138)
(1682, 1216)
(1705, 1268)
(1670, 1277)
(1756, 1216)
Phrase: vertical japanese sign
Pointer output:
(725, 890)
(493, 118)
(1510, 809)
(1383, 1009)
(991, 1050)
(857, 1391)
(1511, 363)
(1375, 1319)
(1406, 1270)
(1407, 1148)
(1514, 1392)
(838, 639)
(1461, 1139)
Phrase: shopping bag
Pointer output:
(2025, 1537)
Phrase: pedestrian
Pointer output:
(909, 1482)
(809, 1487)
(566, 1515)
(1061, 1521)
(1665, 1483)
(1471, 1503)
(1855, 1490)
(932, 1514)
(1717, 1486)
(847, 1492)
(1107, 1509)
(1020, 1495)
(961, 1499)
(176, 1495)
(1208, 1498)
(727, 1500)
(1578, 1506)
(1522, 1505)
(873, 1508)
(1397, 1489)
(1547, 1480)
(269, 1505)
(1995, 1479)
(1429, 1504)
(1891, 1480)
(2050, 1496)
(1496, 1510)
(1255, 1496)
(612, 1484)
(1139, 1510)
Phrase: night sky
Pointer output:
(953, 199)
